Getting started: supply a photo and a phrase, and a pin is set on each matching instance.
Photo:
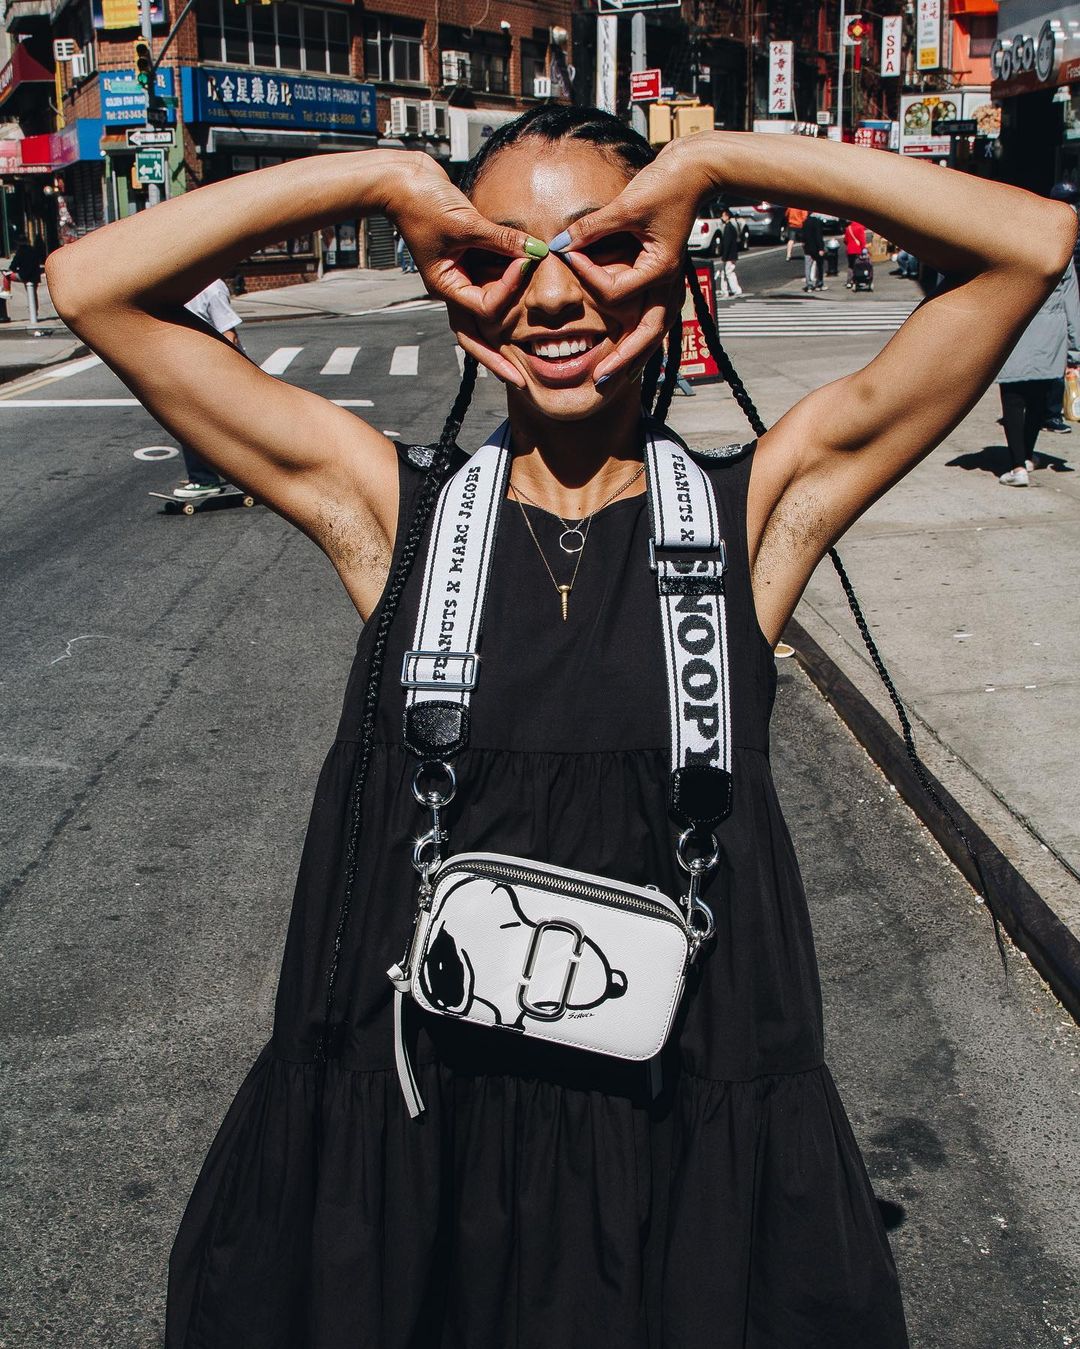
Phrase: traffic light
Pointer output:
(144, 64)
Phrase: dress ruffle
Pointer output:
(728, 1214)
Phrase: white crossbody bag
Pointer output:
(520, 945)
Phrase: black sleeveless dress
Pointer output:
(545, 1200)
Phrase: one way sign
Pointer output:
(144, 137)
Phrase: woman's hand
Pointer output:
(657, 207)
(463, 258)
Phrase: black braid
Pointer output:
(746, 403)
(671, 370)
(425, 504)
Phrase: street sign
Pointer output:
(644, 86)
(697, 363)
(150, 166)
(956, 126)
(630, 6)
(141, 137)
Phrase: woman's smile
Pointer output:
(560, 359)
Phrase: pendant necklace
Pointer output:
(573, 538)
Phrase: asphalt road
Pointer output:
(170, 686)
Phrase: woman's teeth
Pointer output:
(554, 351)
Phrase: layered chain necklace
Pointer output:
(573, 538)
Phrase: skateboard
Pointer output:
(232, 496)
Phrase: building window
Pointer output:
(393, 49)
(533, 64)
(982, 29)
(274, 37)
(487, 69)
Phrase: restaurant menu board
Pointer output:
(698, 365)
(921, 134)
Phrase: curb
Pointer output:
(1023, 913)
(10, 373)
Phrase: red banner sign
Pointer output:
(644, 86)
(698, 365)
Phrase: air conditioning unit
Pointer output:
(399, 116)
(80, 66)
(434, 120)
(456, 67)
(541, 87)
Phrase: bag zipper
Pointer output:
(557, 883)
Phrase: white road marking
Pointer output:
(155, 452)
(341, 361)
(352, 402)
(405, 361)
(132, 403)
(461, 363)
(279, 361)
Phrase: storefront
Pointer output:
(25, 85)
(1035, 70)
(242, 120)
(123, 106)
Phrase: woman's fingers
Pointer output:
(656, 318)
(471, 344)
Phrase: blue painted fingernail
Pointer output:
(560, 242)
(602, 380)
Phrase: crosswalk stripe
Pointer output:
(72, 368)
(341, 361)
(279, 361)
(405, 361)
(461, 363)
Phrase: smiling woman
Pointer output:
(589, 1106)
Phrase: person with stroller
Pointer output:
(854, 246)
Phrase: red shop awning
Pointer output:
(22, 69)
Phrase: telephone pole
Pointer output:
(153, 191)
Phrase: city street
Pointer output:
(171, 686)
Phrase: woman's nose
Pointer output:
(552, 287)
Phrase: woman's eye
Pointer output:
(481, 266)
(614, 248)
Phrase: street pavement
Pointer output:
(171, 686)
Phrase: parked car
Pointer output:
(708, 228)
(765, 222)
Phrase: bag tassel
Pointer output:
(406, 1077)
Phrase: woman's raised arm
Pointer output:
(122, 288)
(843, 445)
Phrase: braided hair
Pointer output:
(658, 384)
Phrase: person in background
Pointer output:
(854, 243)
(1055, 393)
(25, 265)
(907, 264)
(729, 256)
(813, 247)
(796, 218)
(213, 305)
(1049, 342)
(404, 257)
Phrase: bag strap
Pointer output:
(687, 553)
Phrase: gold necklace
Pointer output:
(581, 529)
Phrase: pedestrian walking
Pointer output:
(1054, 419)
(795, 217)
(813, 246)
(729, 256)
(1049, 343)
(854, 245)
(25, 266)
(213, 305)
(404, 257)
(474, 1124)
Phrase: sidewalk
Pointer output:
(21, 352)
(971, 591)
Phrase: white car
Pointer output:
(707, 232)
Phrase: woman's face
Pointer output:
(556, 333)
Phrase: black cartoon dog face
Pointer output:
(484, 940)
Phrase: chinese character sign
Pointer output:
(928, 35)
(781, 76)
(607, 38)
(227, 95)
(890, 44)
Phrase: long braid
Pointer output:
(746, 403)
(671, 370)
(425, 504)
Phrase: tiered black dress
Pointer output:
(545, 1201)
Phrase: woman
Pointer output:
(1035, 365)
(546, 1198)
(854, 243)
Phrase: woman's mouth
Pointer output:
(561, 361)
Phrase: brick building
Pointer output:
(249, 85)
